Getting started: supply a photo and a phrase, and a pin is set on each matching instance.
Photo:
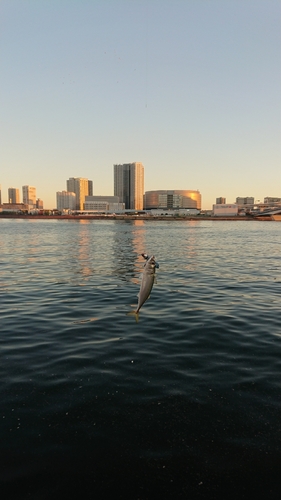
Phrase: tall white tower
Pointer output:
(29, 196)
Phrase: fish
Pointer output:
(148, 277)
(146, 257)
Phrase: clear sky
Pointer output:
(191, 88)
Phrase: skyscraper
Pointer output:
(129, 184)
(81, 188)
(66, 200)
(29, 196)
(13, 195)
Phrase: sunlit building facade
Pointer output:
(172, 199)
(29, 196)
(129, 184)
(81, 187)
(13, 195)
(103, 204)
(225, 210)
(14, 207)
(66, 200)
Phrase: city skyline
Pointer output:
(189, 88)
(62, 197)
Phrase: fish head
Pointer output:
(151, 260)
(151, 263)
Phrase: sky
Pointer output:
(190, 88)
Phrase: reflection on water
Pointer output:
(129, 244)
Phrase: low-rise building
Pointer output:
(172, 199)
(223, 210)
(103, 204)
(271, 200)
(221, 201)
(14, 207)
(248, 200)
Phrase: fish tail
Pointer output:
(134, 313)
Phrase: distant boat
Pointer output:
(276, 217)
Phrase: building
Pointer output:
(272, 201)
(129, 184)
(90, 188)
(14, 207)
(39, 204)
(249, 200)
(29, 196)
(13, 195)
(103, 204)
(81, 187)
(0, 195)
(225, 210)
(66, 200)
(220, 201)
(172, 199)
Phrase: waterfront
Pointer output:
(184, 404)
(126, 217)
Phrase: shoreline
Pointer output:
(132, 217)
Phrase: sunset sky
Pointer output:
(190, 88)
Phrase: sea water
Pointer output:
(183, 404)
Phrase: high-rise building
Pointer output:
(80, 187)
(0, 195)
(66, 200)
(90, 188)
(13, 195)
(129, 184)
(220, 201)
(29, 196)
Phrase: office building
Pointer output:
(90, 188)
(13, 195)
(172, 199)
(272, 201)
(248, 200)
(80, 186)
(0, 195)
(103, 204)
(29, 196)
(220, 201)
(66, 200)
(39, 204)
(129, 184)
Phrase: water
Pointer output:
(183, 404)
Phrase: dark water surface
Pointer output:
(183, 404)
